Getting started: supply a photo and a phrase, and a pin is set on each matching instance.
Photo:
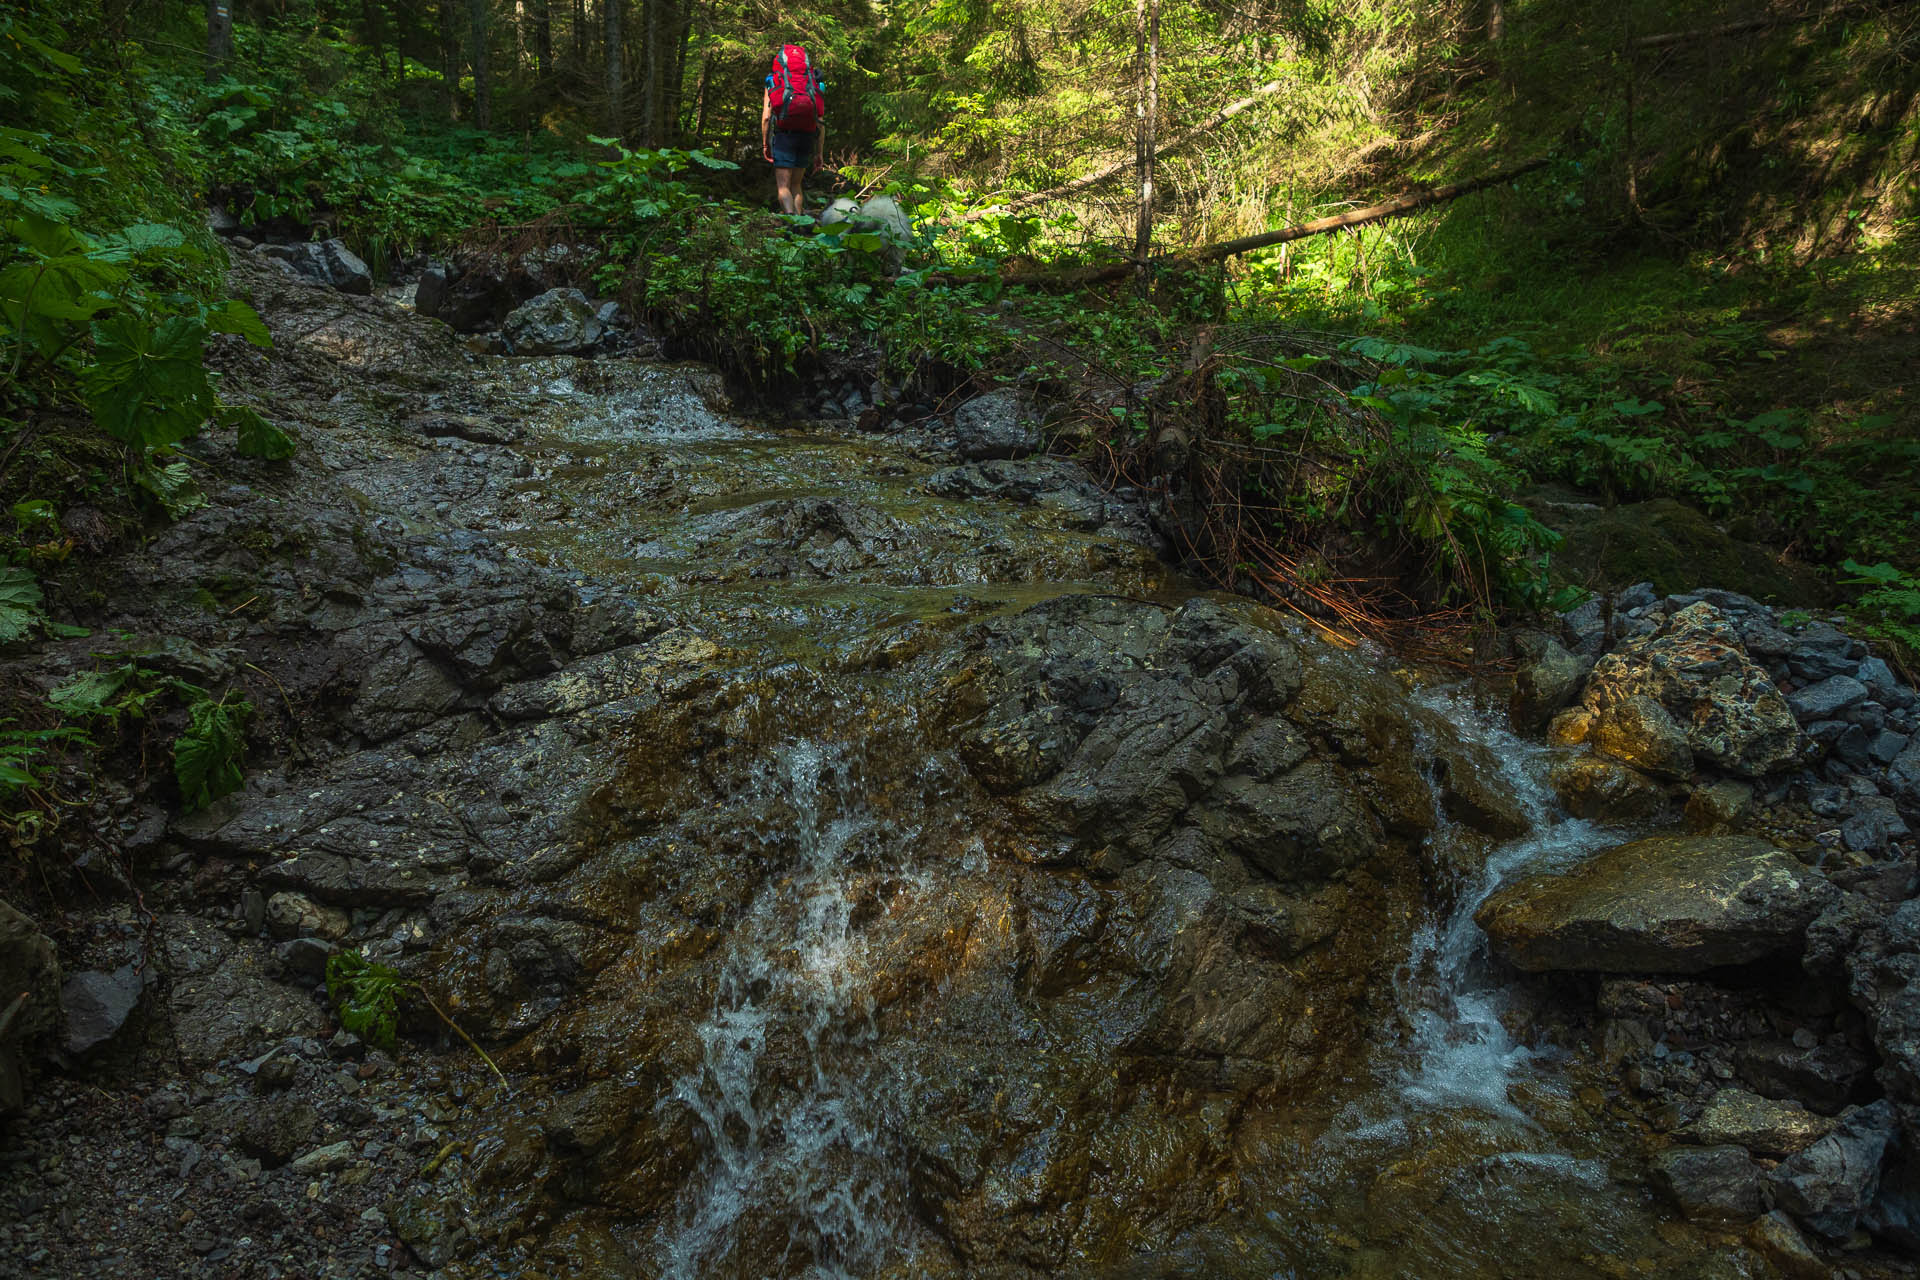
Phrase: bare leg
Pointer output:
(787, 183)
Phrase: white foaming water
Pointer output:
(1461, 1054)
(806, 1149)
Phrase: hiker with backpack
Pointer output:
(792, 124)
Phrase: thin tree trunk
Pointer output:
(652, 85)
(580, 32)
(543, 36)
(700, 99)
(477, 59)
(1172, 144)
(1246, 244)
(676, 99)
(616, 66)
(1149, 123)
(219, 38)
(370, 19)
(1496, 21)
(449, 59)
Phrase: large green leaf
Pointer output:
(206, 758)
(258, 437)
(149, 387)
(19, 604)
(235, 316)
(172, 485)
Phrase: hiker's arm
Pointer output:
(766, 127)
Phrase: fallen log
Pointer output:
(1246, 244)
(1094, 179)
(1666, 38)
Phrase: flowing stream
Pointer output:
(863, 1057)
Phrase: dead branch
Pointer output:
(1703, 33)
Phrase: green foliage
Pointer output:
(366, 995)
(207, 756)
(1889, 605)
(20, 599)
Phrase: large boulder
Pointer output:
(328, 262)
(1710, 696)
(1663, 542)
(1719, 1183)
(560, 322)
(1668, 904)
(1830, 1185)
(999, 424)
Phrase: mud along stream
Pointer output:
(866, 862)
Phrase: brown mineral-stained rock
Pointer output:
(1639, 732)
(1765, 1126)
(1593, 786)
(1696, 668)
(1668, 904)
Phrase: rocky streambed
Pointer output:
(865, 857)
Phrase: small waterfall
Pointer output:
(793, 1126)
(1459, 1053)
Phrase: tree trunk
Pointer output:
(580, 33)
(616, 66)
(1496, 21)
(219, 38)
(676, 97)
(477, 59)
(449, 59)
(370, 19)
(543, 36)
(655, 81)
(700, 99)
(1149, 14)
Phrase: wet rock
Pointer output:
(293, 915)
(1719, 807)
(1894, 1216)
(329, 262)
(1669, 904)
(1775, 1238)
(998, 424)
(428, 1227)
(98, 1004)
(1826, 1076)
(1593, 786)
(272, 1130)
(1827, 699)
(1903, 775)
(466, 426)
(306, 957)
(1829, 1185)
(557, 323)
(328, 1159)
(1693, 666)
(1058, 485)
(1547, 679)
(1639, 732)
(1709, 1183)
(234, 1007)
(1764, 1126)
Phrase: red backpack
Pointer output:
(800, 106)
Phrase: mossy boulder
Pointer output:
(1664, 542)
